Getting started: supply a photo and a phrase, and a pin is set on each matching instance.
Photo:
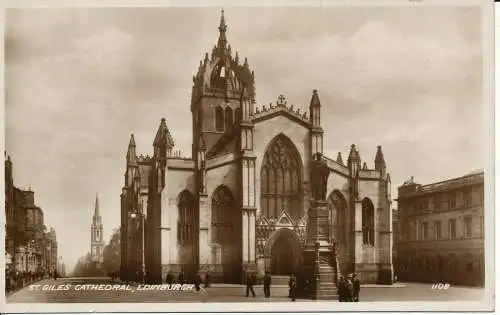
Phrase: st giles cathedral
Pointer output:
(240, 202)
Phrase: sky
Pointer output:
(79, 81)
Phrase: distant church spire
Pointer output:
(96, 208)
(96, 236)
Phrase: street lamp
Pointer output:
(134, 215)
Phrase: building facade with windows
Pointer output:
(240, 202)
(442, 231)
(28, 244)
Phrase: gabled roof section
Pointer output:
(281, 108)
(285, 220)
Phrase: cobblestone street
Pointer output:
(228, 293)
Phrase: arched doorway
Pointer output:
(281, 179)
(187, 233)
(283, 250)
(226, 233)
(340, 230)
(282, 257)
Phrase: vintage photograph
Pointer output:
(312, 155)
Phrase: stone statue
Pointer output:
(319, 177)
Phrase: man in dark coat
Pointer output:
(341, 289)
(292, 284)
(267, 284)
(250, 281)
(207, 280)
(181, 277)
(169, 279)
(356, 287)
(197, 281)
(349, 288)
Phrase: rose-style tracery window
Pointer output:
(281, 186)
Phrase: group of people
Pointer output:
(15, 280)
(181, 279)
(348, 288)
(267, 281)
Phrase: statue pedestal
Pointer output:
(319, 255)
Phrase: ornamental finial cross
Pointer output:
(281, 100)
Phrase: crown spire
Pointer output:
(222, 31)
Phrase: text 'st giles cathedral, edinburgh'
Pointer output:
(241, 203)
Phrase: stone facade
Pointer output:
(442, 231)
(240, 203)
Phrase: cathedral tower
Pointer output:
(96, 241)
(217, 92)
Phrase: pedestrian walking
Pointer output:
(207, 279)
(342, 289)
(197, 281)
(356, 287)
(349, 290)
(292, 284)
(181, 277)
(55, 274)
(169, 279)
(250, 281)
(267, 284)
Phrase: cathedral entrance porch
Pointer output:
(281, 258)
(283, 252)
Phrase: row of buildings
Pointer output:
(29, 246)
(438, 231)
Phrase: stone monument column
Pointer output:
(319, 253)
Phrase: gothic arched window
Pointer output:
(281, 179)
(368, 222)
(224, 214)
(229, 118)
(186, 218)
(219, 118)
(338, 216)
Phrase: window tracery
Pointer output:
(368, 222)
(281, 179)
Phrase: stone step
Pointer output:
(327, 288)
(327, 291)
(327, 298)
(279, 280)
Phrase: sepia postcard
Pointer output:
(162, 156)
